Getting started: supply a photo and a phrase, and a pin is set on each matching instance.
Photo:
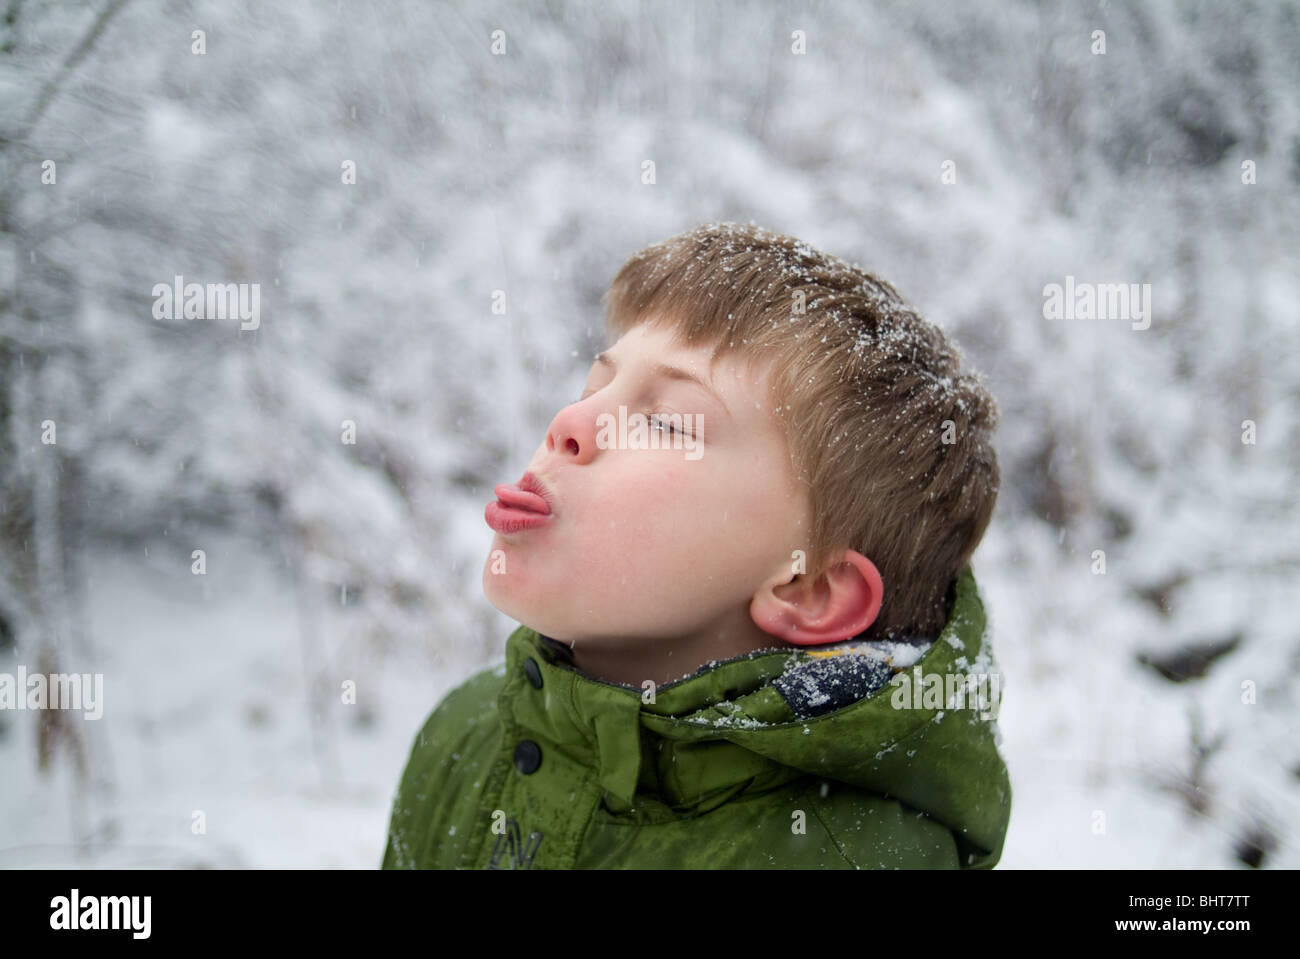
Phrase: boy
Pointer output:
(751, 635)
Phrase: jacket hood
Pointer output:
(908, 721)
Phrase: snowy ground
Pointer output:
(206, 696)
(1094, 746)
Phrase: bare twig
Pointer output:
(70, 63)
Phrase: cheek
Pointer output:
(641, 507)
(646, 509)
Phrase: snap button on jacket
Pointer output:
(782, 758)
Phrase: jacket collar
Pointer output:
(727, 730)
(605, 726)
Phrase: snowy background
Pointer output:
(1124, 724)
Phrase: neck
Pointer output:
(631, 660)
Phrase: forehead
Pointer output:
(744, 383)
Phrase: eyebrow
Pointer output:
(667, 372)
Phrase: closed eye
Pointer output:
(664, 419)
(658, 418)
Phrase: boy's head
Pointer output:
(835, 473)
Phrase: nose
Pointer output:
(573, 432)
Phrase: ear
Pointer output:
(839, 604)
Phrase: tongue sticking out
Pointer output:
(516, 498)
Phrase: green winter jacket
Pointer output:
(782, 758)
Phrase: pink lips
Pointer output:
(519, 506)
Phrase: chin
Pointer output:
(494, 589)
(503, 593)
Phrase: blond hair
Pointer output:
(893, 440)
